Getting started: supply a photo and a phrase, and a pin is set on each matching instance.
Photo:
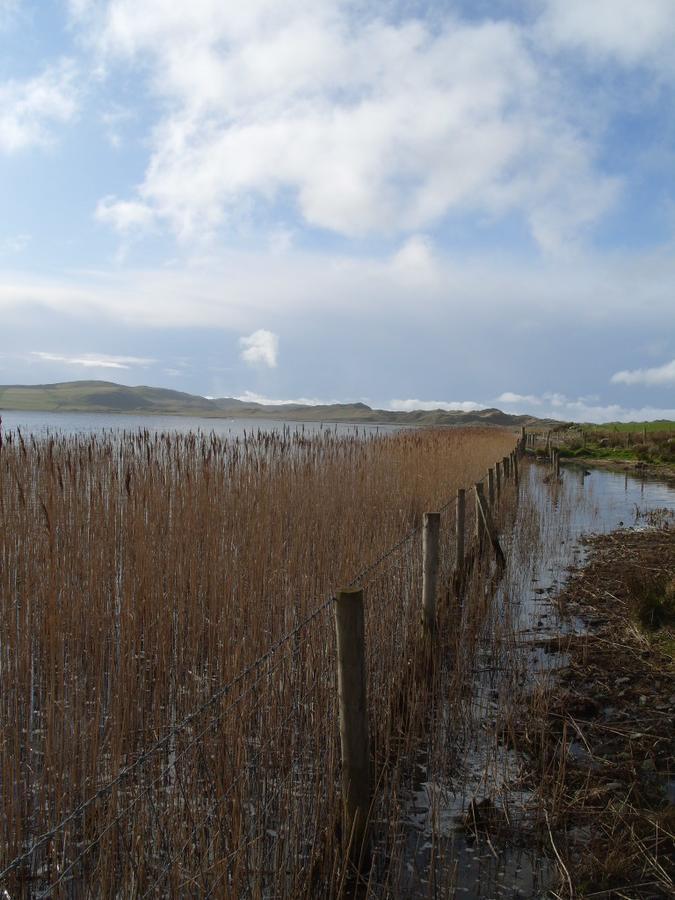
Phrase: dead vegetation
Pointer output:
(601, 738)
(167, 650)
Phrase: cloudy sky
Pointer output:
(414, 203)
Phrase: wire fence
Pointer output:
(239, 798)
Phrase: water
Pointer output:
(544, 544)
(42, 423)
(601, 501)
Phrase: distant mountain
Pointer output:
(108, 397)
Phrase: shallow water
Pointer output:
(601, 500)
(443, 859)
(41, 423)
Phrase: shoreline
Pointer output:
(634, 467)
(600, 744)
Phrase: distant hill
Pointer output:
(108, 397)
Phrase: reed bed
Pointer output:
(167, 655)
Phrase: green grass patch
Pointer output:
(623, 427)
(593, 452)
(651, 442)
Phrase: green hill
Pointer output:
(108, 397)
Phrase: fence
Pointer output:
(239, 797)
(547, 444)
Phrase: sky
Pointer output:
(414, 204)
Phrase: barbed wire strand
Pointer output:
(212, 700)
(310, 686)
(165, 771)
(172, 733)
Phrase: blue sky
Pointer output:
(407, 202)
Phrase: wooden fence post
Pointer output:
(480, 527)
(353, 710)
(487, 525)
(505, 463)
(491, 486)
(498, 480)
(515, 467)
(430, 548)
(459, 530)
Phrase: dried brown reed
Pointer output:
(140, 575)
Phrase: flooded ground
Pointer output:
(475, 828)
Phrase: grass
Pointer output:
(649, 443)
(141, 572)
(632, 427)
(589, 451)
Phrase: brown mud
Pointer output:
(600, 737)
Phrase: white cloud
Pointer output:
(261, 347)
(556, 405)
(414, 261)
(510, 397)
(124, 215)
(80, 7)
(237, 292)
(446, 405)
(94, 360)
(628, 32)
(29, 109)
(113, 120)
(372, 126)
(659, 375)
(252, 397)
(578, 411)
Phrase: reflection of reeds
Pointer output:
(141, 572)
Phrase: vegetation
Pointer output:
(104, 396)
(601, 740)
(652, 442)
(140, 575)
(633, 427)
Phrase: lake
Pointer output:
(43, 423)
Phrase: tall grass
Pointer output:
(139, 573)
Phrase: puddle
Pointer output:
(441, 858)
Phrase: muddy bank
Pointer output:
(599, 737)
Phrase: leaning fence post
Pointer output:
(353, 708)
(480, 528)
(483, 513)
(459, 530)
(430, 548)
(491, 486)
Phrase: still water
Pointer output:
(546, 541)
(42, 423)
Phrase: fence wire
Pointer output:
(238, 798)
